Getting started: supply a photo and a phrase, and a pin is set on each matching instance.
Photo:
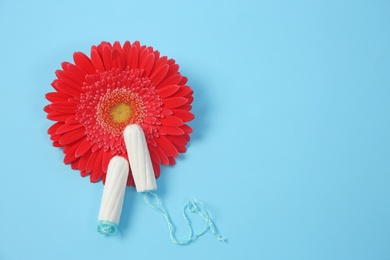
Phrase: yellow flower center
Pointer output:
(120, 113)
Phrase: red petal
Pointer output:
(160, 62)
(190, 99)
(171, 80)
(95, 147)
(132, 57)
(168, 91)
(116, 59)
(57, 116)
(55, 137)
(130, 180)
(184, 115)
(54, 127)
(77, 73)
(154, 155)
(163, 157)
(156, 168)
(83, 62)
(47, 109)
(159, 74)
(107, 57)
(166, 112)
(96, 60)
(91, 161)
(147, 64)
(167, 146)
(183, 81)
(181, 149)
(65, 88)
(174, 102)
(173, 68)
(183, 91)
(171, 160)
(64, 107)
(84, 147)
(71, 120)
(70, 153)
(75, 164)
(67, 128)
(186, 129)
(125, 50)
(56, 96)
(185, 107)
(56, 144)
(69, 80)
(84, 173)
(106, 160)
(171, 121)
(73, 136)
(170, 130)
(143, 53)
(97, 171)
(84, 160)
(178, 140)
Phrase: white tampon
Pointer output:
(113, 195)
(139, 158)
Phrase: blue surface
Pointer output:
(291, 143)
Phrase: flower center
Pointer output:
(120, 113)
(112, 100)
(119, 108)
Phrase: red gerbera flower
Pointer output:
(96, 98)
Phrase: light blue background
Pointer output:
(291, 144)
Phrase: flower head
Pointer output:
(98, 96)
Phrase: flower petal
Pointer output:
(70, 153)
(186, 128)
(183, 91)
(96, 60)
(184, 115)
(174, 102)
(163, 156)
(84, 147)
(84, 160)
(167, 146)
(71, 120)
(69, 80)
(178, 140)
(147, 64)
(171, 121)
(55, 96)
(168, 91)
(132, 57)
(170, 130)
(107, 57)
(97, 172)
(64, 107)
(65, 88)
(106, 160)
(154, 155)
(171, 80)
(77, 73)
(159, 74)
(58, 116)
(116, 59)
(54, 128)
(156, 168)
(72, 136)
(67, 128)
(91, 161)
(83, 62)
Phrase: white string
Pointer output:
(193, 206)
